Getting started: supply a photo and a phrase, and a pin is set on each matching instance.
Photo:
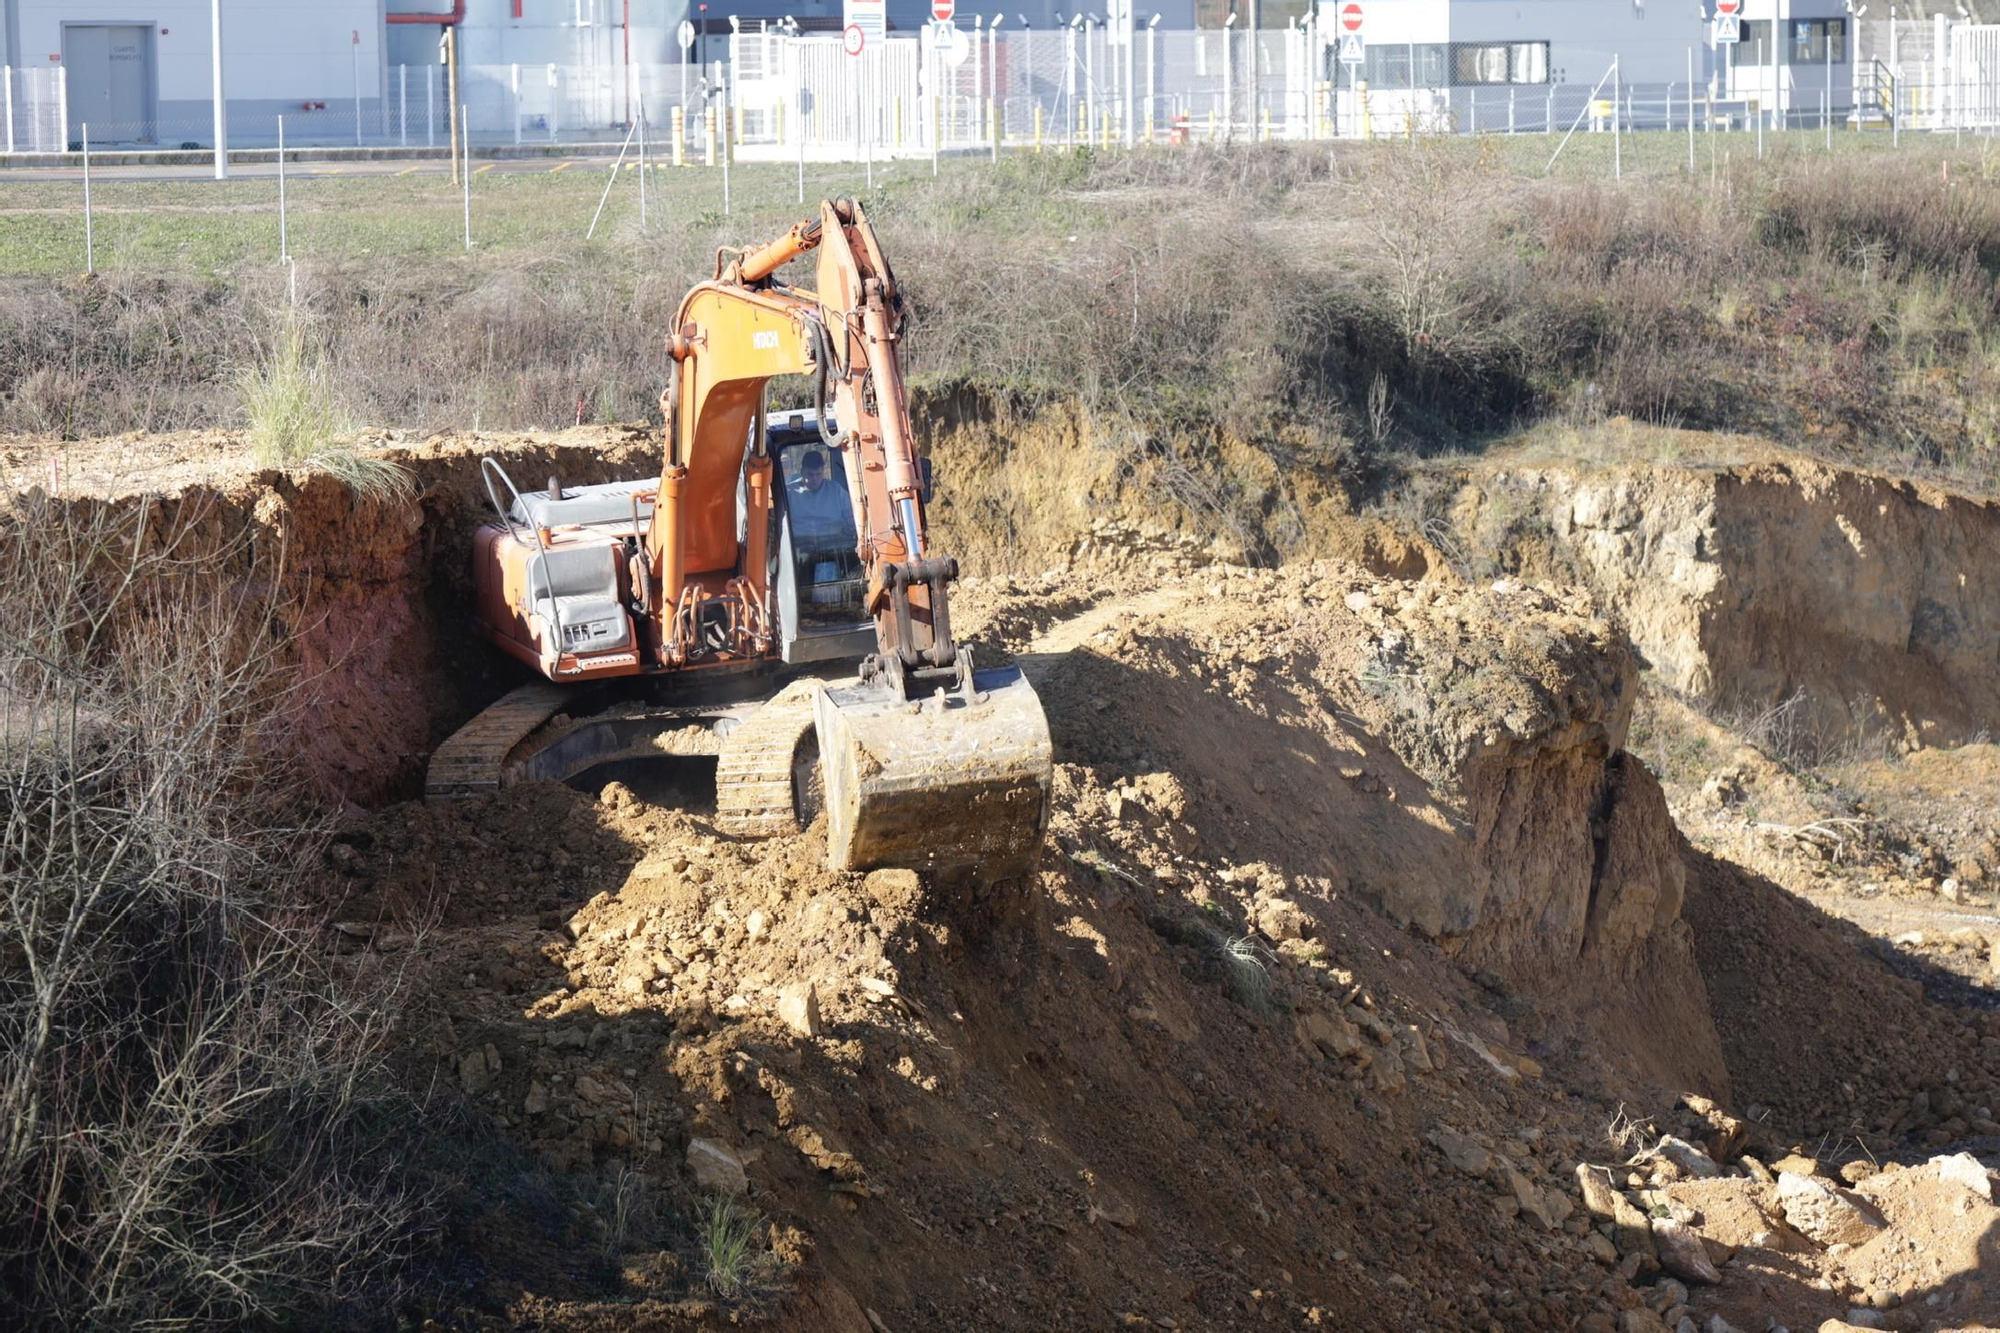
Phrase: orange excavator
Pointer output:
(772, 599)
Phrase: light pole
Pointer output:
(221, 107)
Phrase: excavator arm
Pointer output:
(733, 335)
(927, 762)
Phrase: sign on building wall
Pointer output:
(871, 16)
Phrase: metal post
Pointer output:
(221, 107)
(1617, 122)
(430, 106)
(800, 133)
(555, 102)
(89, 233)
(605, 197)
(403, 105)
(284, 238)
(1690, 111)
(1895, 86)
(7, 84)
(465, 129)
(642, 164)
(728, 150)
(354, 58)
(1089, 81)
(1152, 66)
(1761, 111)
(1228, 76)
(1826, 116)
(995, 107)
(514, 84)
(1129, 30)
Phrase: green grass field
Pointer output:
(198, 227)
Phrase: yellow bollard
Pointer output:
(1267, 124)
(1149, 124)
(1083, 123)
(896, 123)
(1038, 127)
(708, 138)
(1105, 128)
(680, 137)
(1367, 121)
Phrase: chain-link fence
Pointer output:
(776, 93)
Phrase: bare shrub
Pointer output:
(196, 1127)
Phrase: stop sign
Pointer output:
(942, 10)
(1350, 17)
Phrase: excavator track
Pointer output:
(754, 796)
(471, 762)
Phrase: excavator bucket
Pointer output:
(953, 785)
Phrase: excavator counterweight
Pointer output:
(687, 614)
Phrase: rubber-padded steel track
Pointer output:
(471, 761)
(753, 776)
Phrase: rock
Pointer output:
(1756, 1170)
(1681, 1252)
(1717, 1324)
(1631, 1230)
(1691, 1160)
(1600, 1248)
(537, 1100)
(1640, 1320)
(716, 1167)
(1828, 1216)
(1462, 1152)
(900, 890)
(1416, 1052)
(1966, 1170)
(753, 925)
(1797, 1165)
(1529, 1197)
(1328, 1032)
(1281, 919)
(1858, 1320)
(798, 1004)
(473, 1070)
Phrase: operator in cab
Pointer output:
(822, 514)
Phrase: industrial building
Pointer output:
(139, 71)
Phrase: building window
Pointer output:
(1815, 41)
(1755, 46)
(1509, 62)
(1388, 65)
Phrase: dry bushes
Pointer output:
(196, 1131)
(1261, 288)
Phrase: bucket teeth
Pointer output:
(953, 786)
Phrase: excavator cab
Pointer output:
(818, 576)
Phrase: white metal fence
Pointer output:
(1001, 87)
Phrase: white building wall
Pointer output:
(273, 50)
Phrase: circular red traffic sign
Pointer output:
(942, 10)
(1350, 17)
(1727, 7)
(851, 41)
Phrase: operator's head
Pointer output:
(812, 469)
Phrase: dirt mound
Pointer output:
(371, 594)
